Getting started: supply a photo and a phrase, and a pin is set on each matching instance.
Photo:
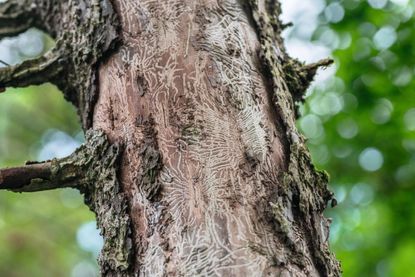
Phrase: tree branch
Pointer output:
(18, 177)
(41, 176)
(312, 68)
(4, 63)
(300, 76)
(33, 72)
(79, 170)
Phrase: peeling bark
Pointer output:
(214, 179)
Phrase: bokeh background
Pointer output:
(359, 118)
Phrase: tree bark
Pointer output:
(204, 172)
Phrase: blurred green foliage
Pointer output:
(361, 129)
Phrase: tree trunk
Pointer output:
(204, 172)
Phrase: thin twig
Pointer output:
(322, 63)
(3, 62)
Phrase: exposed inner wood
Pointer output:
(203, 145)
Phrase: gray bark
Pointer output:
(192, 164)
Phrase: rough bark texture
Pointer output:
(214, 178)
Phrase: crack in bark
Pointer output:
(151, 160)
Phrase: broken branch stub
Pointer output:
(83, 33)
(300, 76)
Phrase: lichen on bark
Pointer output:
(104, 196)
